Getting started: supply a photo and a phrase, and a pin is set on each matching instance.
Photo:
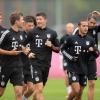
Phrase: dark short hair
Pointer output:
(15, 16)
(79, 23)
(91, 17)
(41, 14)
(30, 19)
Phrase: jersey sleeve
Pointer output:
(55, 43)
(98, 28)
(95, 51)
(67, 43)
(4, 36)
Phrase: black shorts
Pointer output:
(40, 75)
(92, 70)
(14, 73)
(27, 71)
(74, 77)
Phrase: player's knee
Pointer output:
(18, 92)
(39, 90)
(1, 92)
(30, 89)
(77, 91)
(91, 84)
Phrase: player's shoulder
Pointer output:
(90, 37)
(51, 30)
(7, 31)
(76, 30)
(97, 28)
(74, 36)
(4, 35)
(10, 30)
(64, 36)
(34, 30)
(2, 28)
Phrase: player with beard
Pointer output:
(29, 24)
(42, 41)
(79, 46)
(92, 71)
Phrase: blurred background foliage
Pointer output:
(59, 12)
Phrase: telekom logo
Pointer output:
(38, 42)
(77, 49)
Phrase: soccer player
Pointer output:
(42, 41)
(79, 46)
(11, 64)
(29, 24)
(93, 32)
(2, 29)
(92, 71)
(69, 31)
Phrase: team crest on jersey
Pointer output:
(76, 42)
(94, 32)
(87, 42)
(21, 37)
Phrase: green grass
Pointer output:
(54, 90)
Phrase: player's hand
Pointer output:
(94, 51)
(96, 13)
(31, 55)
(25, 50)
(48, 43)
(91, 49)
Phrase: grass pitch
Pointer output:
(54, 90)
